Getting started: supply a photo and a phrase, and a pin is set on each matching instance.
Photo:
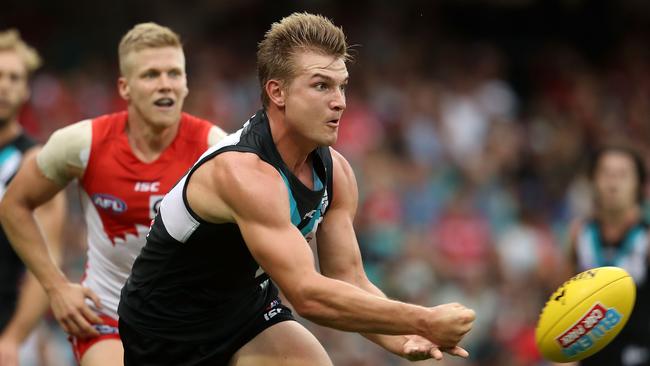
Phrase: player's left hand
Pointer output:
(418, 348)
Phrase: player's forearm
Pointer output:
(340, 305)
(51, 219)
(392, 343)
(32, 304)
(24, 235)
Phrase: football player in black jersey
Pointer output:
(20, 306)
(199, 292)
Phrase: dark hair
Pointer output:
(639, 165)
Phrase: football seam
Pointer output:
(543, 338)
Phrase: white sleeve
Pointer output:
(215, 135)
(65, 155)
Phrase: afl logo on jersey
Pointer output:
(109, 202)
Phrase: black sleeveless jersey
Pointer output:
(632, 346)
(197, 281)
(11, 267)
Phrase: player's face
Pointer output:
(155, 86)
(315, 98)
(13, 86)
(616, 181)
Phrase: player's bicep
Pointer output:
(284, 255)
(280, 250)
(30, 188)
(260, 205)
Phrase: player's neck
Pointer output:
(294, 152)
(146, 141)
(9, 131)
(617, 220)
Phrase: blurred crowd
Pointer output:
(468, 180)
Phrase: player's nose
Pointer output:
(338, 102)
(164, 82)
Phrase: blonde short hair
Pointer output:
(295, 33)
(146, 35)
(10, 41)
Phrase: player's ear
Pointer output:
(123, 88)
(275, 91)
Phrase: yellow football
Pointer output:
(585, 314)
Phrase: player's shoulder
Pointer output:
(242, 167)
(81, 130)
(244, 176)
(215, 135)
(341, 166)
(338, 160)
(65, 154)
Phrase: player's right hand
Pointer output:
(71, 311)
(448, 324)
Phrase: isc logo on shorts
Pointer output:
(271, 313)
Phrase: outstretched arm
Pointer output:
(241, 188)
(340, 258)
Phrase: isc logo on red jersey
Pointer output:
(147, 186)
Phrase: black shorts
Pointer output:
(143, 350)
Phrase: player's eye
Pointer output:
(13, 77)
(150, 74)
(321, 86)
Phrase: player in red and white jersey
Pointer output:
(124, 163)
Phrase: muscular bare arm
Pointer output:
(240, 187)
(340, 258)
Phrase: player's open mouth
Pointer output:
(164, 102)
(333, 122)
